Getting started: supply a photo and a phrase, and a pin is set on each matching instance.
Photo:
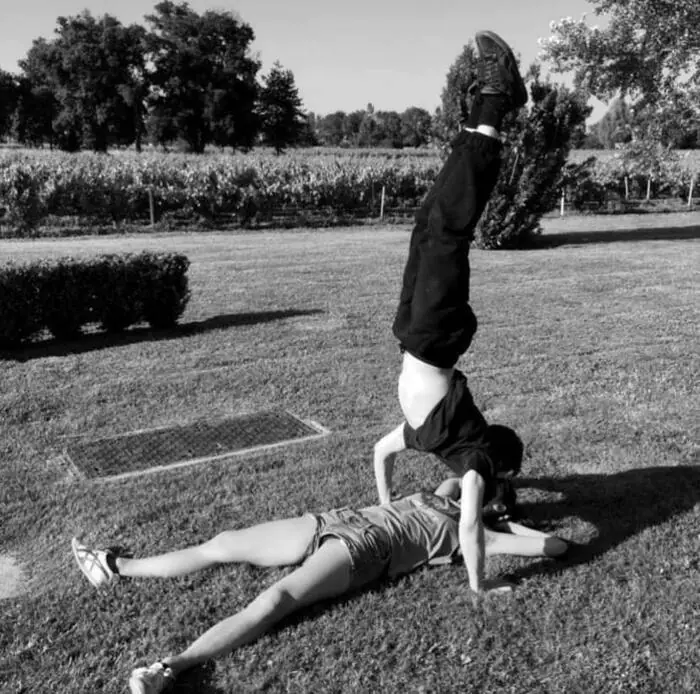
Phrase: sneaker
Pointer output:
(498, 70)
(151, 680)
(94, 564)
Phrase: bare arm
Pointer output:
(529, 542)
(449, 488)
(471, 529)
(472, 536)
(518, 529)
(385, 451)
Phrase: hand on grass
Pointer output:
(495, 586)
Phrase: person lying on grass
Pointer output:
(485, 469)
(336, 552)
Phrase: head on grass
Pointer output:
(506, 449)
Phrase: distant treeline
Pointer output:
(190, 80)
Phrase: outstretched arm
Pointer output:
(385, 451)
(513, 538)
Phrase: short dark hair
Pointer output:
(505, 447)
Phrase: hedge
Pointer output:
(113, 291)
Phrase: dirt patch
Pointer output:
(12, 581)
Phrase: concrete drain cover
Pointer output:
(139, 452)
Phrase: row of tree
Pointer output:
(192, 78)
(187, 76)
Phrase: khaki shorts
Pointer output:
(368, 545)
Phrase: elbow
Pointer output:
(470, 528)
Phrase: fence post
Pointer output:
(690, 194)
(381, 204)
(151, 208)
(563, 203)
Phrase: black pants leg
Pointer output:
(434, 321)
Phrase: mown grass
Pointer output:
(589, 350)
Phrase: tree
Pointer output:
(616, 126)
(390, 130)
(280, 109)
(532, 171)
(648, 48)
(367, 132)
(9, 97)
(34, 114)
(455, 100)
(308, 136)
(332, 128)
(203, 77)
(416, 126)
(91, 68)
(353, 124)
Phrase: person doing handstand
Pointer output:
(337, 552)
(435, 324)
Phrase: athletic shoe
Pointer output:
(497, 69)
(93, 563)
(151, 680)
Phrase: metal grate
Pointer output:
(139, 452)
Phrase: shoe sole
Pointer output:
(509, 51)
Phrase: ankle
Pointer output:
(493, 110)
(489, 131)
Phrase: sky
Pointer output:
(344, 54)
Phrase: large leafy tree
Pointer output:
(649, 52)
(616, 126)
(91, 68)
(280, 108)
(203, 77)
(649, 48)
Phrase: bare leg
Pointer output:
(325, 574)
(277, 543)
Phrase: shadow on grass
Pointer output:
(102, 340)
(576, 238)
(198, 680)
(619, 505)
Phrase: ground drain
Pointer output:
(140, 452)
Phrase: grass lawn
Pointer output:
(590, 350)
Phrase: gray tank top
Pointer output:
(423, 528)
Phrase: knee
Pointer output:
(215, 549)
(275, 603)
(554, 547)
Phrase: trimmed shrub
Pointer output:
(63, 286)
(115, 291)
(20, 305)
(532, 171)
(166, 291)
